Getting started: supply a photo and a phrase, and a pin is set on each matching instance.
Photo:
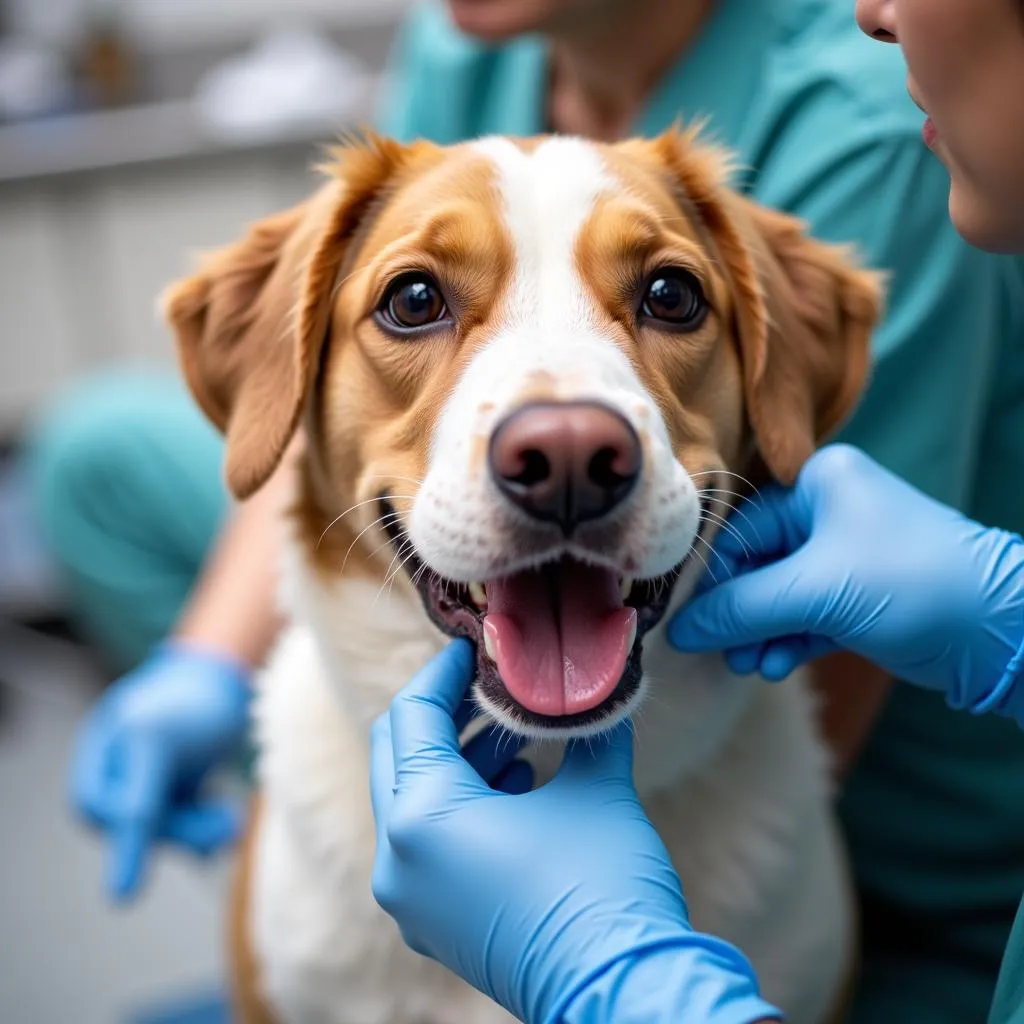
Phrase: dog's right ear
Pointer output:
(251, 323)
(805, 310)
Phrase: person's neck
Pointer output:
(604, 69)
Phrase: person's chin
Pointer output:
(983, 223)
(496, 21)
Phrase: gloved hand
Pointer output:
(854, 557)
(561, 903)
(144, 749)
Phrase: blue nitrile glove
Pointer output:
(144, 749)
(853, 557)
(561, 903)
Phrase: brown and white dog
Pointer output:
(527, 374)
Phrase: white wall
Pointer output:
(82, 262)
(184, 22)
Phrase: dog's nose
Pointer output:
(565, 462)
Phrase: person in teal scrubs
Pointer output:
(820, 122)
(569, 909)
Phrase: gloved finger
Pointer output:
(424, 739)
(138, 805)
(204, 828)
(515, 780)
(608, 756)
(382, 771)
(765, 604)
(783, 657)
(744, 660)
(89, 774)
(491, 751)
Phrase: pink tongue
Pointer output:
(560, 637)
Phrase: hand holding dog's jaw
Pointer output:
(427, 298)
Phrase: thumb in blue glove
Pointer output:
(854, 557)
(144, 750)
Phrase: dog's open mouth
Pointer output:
(558, 647)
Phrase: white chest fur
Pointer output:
(730, 772)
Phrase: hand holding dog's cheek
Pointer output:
(856, 558)
(526, 897)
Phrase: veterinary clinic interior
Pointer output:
(332, 331)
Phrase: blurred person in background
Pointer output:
(178, 588)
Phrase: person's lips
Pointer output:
(928, 132)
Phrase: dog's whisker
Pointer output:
(388, 586)
(724, 490)
(703, 559)
(404, 552)
(380, 519)
(419, 574)
(707, 491)
(713, 501)
(403, 555)
(735, 510)
(352, 508)
(379, 548)
(727, 472)
(393, 476)
(729, 528)
(506, 738)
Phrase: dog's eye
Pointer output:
(675, 297)
(413, 301)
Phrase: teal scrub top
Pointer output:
(1008, 1005)
(819, 117)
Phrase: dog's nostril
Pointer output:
(604, 472)
(535, 469)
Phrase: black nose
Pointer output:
(565, 462)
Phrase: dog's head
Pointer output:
(529, 372)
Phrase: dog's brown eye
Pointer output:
(675, 297)
(413, 301)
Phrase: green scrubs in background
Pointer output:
(819, 117)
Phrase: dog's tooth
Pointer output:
(632, 636)
(625, 587)
(478, 593)
(489, 646)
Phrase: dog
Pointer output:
(532, 377)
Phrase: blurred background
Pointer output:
(132, 133)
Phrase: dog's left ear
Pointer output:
(807, 345)
(251, 323)
(805, 310)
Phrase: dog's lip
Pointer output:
(421, 574)
(489, 684)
